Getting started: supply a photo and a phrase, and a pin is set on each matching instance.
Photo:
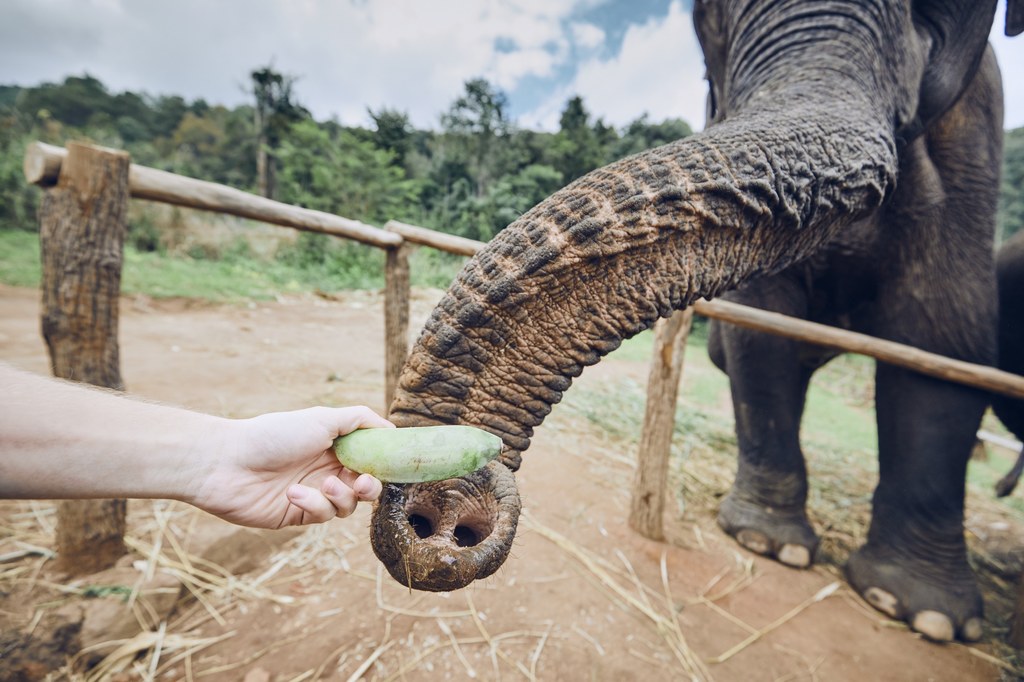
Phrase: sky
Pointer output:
(625, 58)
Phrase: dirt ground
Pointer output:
(581, 597)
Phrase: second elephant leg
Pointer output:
(764, 511)
(914, 565)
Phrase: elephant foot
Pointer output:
(783, 533)
(940, 602)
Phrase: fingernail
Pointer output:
(296, 492)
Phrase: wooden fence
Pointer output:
(82, 226)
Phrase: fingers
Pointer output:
(367, 488)
(315, 506)
(341, 496)
(333, 499)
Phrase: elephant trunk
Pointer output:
(598, 262)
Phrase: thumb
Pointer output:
(342, 420)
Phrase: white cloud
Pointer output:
(509, 68)
(405, 54)
(658, 71)
(587, 36)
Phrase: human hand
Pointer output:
(280, 469)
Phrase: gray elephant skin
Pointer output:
(848, 174)
(1010, 276)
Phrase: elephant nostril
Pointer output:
(471, 530)
(451, 521)
(421, 525)
(466, 536)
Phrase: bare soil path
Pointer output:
(581, 597)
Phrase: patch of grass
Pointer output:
(160, 276)
(241, 277)
(234, 273)
(639, 348)
(19, 258)
(832, 421)
(635, 349)
(983, 474)
(434, 269)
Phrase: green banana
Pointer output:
(417, 454)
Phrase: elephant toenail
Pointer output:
(754, 541)
(884, 601)
(972, 629)
(796, 556)
(934, 625)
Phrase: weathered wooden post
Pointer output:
(81, 235)
(646, 511)
(396, 318)
(396, 290)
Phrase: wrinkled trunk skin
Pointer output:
(605, 257)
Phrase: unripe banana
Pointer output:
(417, 453)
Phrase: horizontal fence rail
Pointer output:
(933, 364)
(439, 240)
(43, 163)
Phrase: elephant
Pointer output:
(1010, 278)
(850, 167)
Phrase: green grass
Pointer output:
(836, 417)
(19, 258)
(235, 275)
(832, 421)
(233, 278)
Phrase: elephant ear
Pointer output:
(1014, 17)
(710, 28)
(957, 31)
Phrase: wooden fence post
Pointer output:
(396, 318)
(81, 235)
(649, 486)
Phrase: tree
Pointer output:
(132, 116)
(167, 115)
(393, 133)
(514, 195)
(336, 172)
(577, 149)
(274, 113)
(73, 102)
(197, 142)
(9, 95)
(641, 134)
(475, 124)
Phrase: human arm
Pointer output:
(65, 440)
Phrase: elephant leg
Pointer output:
(914, 565)
(764, 511)
(940, 296)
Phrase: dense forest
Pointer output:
(471, 176)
